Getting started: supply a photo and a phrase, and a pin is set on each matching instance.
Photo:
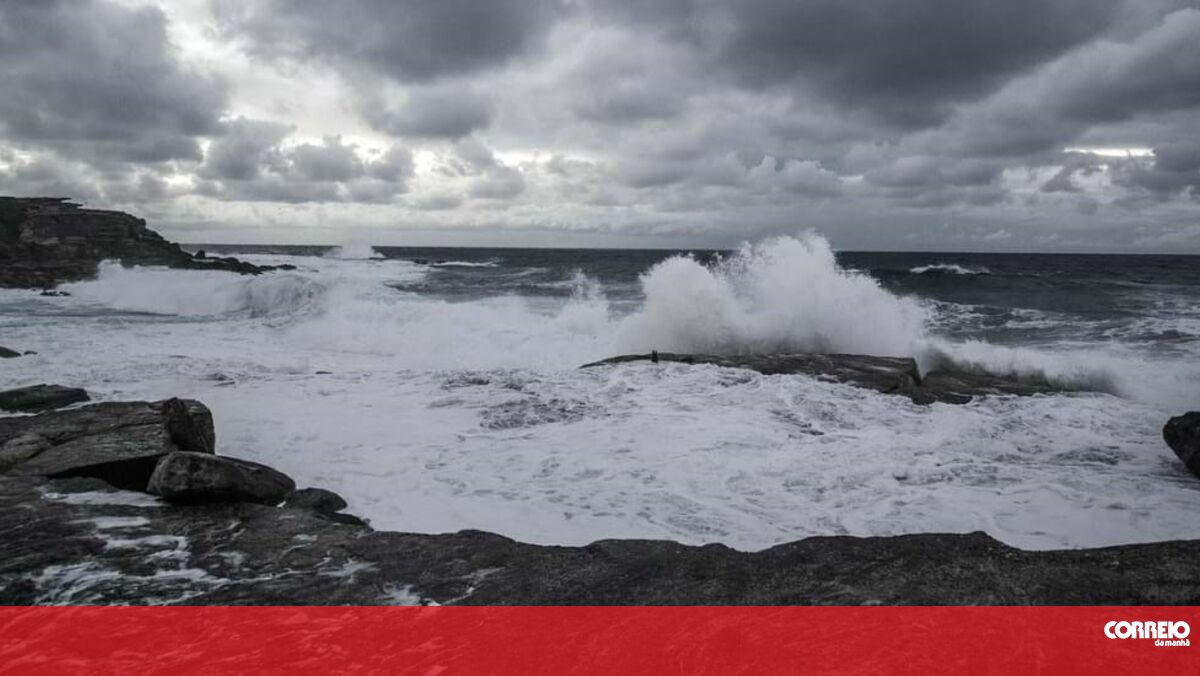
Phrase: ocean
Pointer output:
(439, 389)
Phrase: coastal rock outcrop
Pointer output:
(45, 241)
(201, 477)
(241, 539)
(890, 375)
(38, 398)
(120, 442)
(1182, 434)
(81, 541)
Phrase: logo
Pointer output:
(1164, 634)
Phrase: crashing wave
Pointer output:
(948, 269)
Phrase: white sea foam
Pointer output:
(785, 294)
(437, 416)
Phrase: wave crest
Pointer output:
(785, 294)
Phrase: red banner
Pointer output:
(598, 640)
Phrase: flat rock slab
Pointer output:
(118, 441)
(1182, 434)
(201, 477)
(38, 398)
(79, 541)
(890, 375)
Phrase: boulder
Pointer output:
(6, 353)
(38, 398)
(1182, 434)
(200, 477)
(890, 375)
(324, 503)
(120, 442)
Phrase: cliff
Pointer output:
(45, 241)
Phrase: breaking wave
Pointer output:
(193, 293)
(781, 295)
(948, 269)
(354, 252)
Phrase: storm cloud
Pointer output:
(1033, 124)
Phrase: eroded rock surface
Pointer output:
(890, 375)
(37, 398)
(1182, 434)
(81, 541)
(120, 442)
(201, 477)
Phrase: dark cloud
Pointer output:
(439, 112)
(1174, 170)
(903, 62)
(405, 40)
(251, 161)
(101, 81)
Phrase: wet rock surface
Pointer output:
(1182, 434)
(6, 353)
(81, 541)
(37, 398)
(201, 477)
(890, 375)
(120, 442)
(45, 241)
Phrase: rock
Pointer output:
(37, 398)
(45, 241)
(318, 500)
(1182, 434)
(200, 477)
(120, 442)
(52, 293)
(6, 353)
(890, 375)
(324, 503)
(57, 550)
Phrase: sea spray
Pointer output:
(785, 294)
(196, 293)
(354, 251)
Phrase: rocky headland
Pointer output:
(46, 241)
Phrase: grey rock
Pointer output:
(318, 500)
(200, 477)
(6, 353)
(55, 552)
(120, 442)
(890, 375)
(323, 503)
(37, 398)
(1182, 434)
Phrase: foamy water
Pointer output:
(433, 414)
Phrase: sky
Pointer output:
(965, 125)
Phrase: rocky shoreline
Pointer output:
(127, 503)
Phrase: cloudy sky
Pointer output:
(1023, 125)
